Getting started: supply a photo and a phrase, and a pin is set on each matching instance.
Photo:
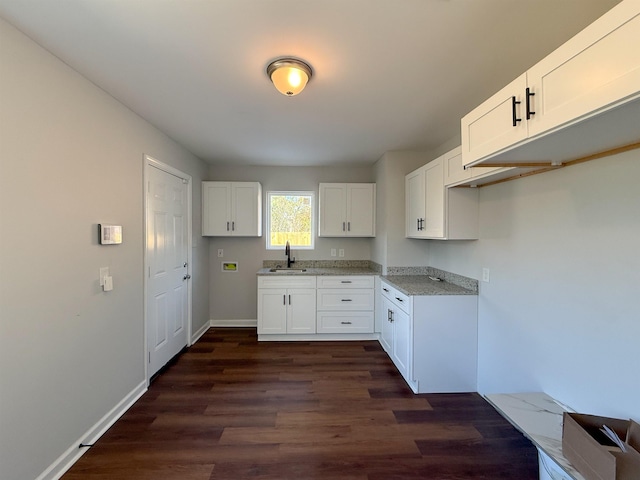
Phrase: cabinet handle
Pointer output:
(284, 299)
(345, 281)
(530, 112)
(399, 299)
(343, 228)
(289, 299)
(233, 226)
(345, 323)
(391, 315)
(514, 115)
(385, 289)
(346, 300)
(227, 226)
(349, 226)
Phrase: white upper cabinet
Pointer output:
(434, 211)
(347, 210)
(232, 209)
(414, 203)
(496, 123)
(582, 99)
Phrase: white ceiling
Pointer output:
(388, 74)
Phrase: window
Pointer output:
(290, 217)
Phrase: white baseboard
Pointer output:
(73, 453)
(196, 336)
(235, 323)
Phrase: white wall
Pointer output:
(561, 313)
(233, 296)
(71, 157)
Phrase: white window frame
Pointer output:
(309, 194)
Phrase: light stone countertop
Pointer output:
(416, 285)
(539, 418)
(321, 271)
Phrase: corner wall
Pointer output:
(71, 156)
(390, 247)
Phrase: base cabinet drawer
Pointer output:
(345, 299)
(345, 322)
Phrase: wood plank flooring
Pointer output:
(230, 408)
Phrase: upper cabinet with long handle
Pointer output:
(347, 210)
(583, 98)
(232, 209)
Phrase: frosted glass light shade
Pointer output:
(289, 75)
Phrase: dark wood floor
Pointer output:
(232, 408)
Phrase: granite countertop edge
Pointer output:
(422, 285)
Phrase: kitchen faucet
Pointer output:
(287, 252)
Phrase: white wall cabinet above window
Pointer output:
(232, 209)
(347, 210)
(436, 212)
(581, 99)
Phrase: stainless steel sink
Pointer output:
(287, 270)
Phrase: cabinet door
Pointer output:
(401, 355)
(454, 171)
(489, 127)
(216, 208)
(434, 199)
(272, 310)
(361, 199)
(596, 69)
(301, 315)
(414, 203)
(332, 221)
(246, 217)
(386, 334)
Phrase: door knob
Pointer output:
(186, 277)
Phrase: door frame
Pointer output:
(150, 162)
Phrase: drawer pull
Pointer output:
(399, 299)
(530, 112)
(346, 300)
(385, 289)
(345, 323)
(514, 116)
(345, 281)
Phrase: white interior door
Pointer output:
(167, 267)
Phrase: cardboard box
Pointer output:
(593, 454)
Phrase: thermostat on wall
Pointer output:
(110, 234)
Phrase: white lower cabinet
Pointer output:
(287, 305)
(345, 304)
(431, 339)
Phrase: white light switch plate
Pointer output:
(485, 275)
(104, 272)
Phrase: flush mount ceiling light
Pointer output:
(289, 75)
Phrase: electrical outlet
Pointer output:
(341, 252)
(485, 274)
(333, 252)
(220, 253)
